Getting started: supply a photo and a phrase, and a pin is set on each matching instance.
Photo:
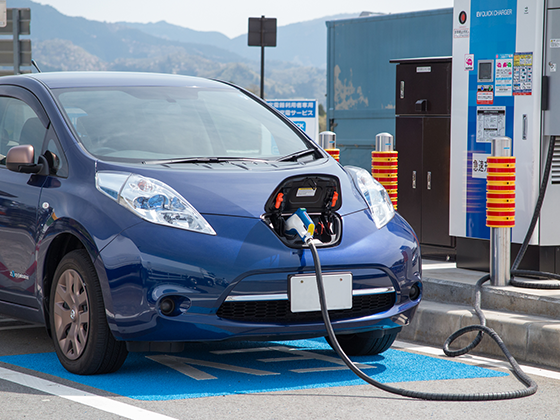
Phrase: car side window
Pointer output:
(19, 125)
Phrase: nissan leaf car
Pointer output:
(144, 212)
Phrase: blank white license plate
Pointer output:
(304, 295)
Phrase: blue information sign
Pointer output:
(295, 108)
(302, 112)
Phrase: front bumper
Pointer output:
(211, 277)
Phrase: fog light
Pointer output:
(414, 291)
(167, 306)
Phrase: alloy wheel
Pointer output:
(71, 314)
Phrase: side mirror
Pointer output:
(53, 161)
(20, 159)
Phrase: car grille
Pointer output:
(278, 311)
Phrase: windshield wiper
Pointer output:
(296, 155)
(200, 160)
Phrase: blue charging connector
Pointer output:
(300, 224)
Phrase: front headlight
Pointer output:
(152, 200)
(375, 195)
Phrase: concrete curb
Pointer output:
(507, 298)
(527, 321)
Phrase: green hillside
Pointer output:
(293, 69)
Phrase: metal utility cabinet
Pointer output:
(423, 123)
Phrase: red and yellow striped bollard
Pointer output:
(500, 192)
(384, 168)
(335, 153)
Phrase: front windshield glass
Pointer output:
(159, 123)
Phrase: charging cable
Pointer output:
(536, 214)
(515, 271)
(531, 386)
(304, 230)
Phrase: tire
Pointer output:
(364, 344)
(82, 339)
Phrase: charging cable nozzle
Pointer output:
(300, 224)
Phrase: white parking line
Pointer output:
(475, 360)
(81, 397)
(440, 266)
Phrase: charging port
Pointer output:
(319, 195)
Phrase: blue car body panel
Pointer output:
(139, 263)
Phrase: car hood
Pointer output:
(239, 189)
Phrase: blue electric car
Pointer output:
(141, 212)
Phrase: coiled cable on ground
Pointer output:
(514, 272)
(514, 268)
(531, 386)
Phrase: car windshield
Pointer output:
(175, 123)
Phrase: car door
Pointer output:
(22, 121)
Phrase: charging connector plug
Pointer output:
(300, 224)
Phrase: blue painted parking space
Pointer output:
(250, 367)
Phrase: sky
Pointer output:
(229, 17)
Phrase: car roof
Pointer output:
(56, 80)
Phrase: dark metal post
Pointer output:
(262, 57)
(17, 52)
(262, 33)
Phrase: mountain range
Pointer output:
(293, 69)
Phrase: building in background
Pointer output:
(361, 82)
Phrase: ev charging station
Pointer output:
(506, 83)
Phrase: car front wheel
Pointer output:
(82, 339)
